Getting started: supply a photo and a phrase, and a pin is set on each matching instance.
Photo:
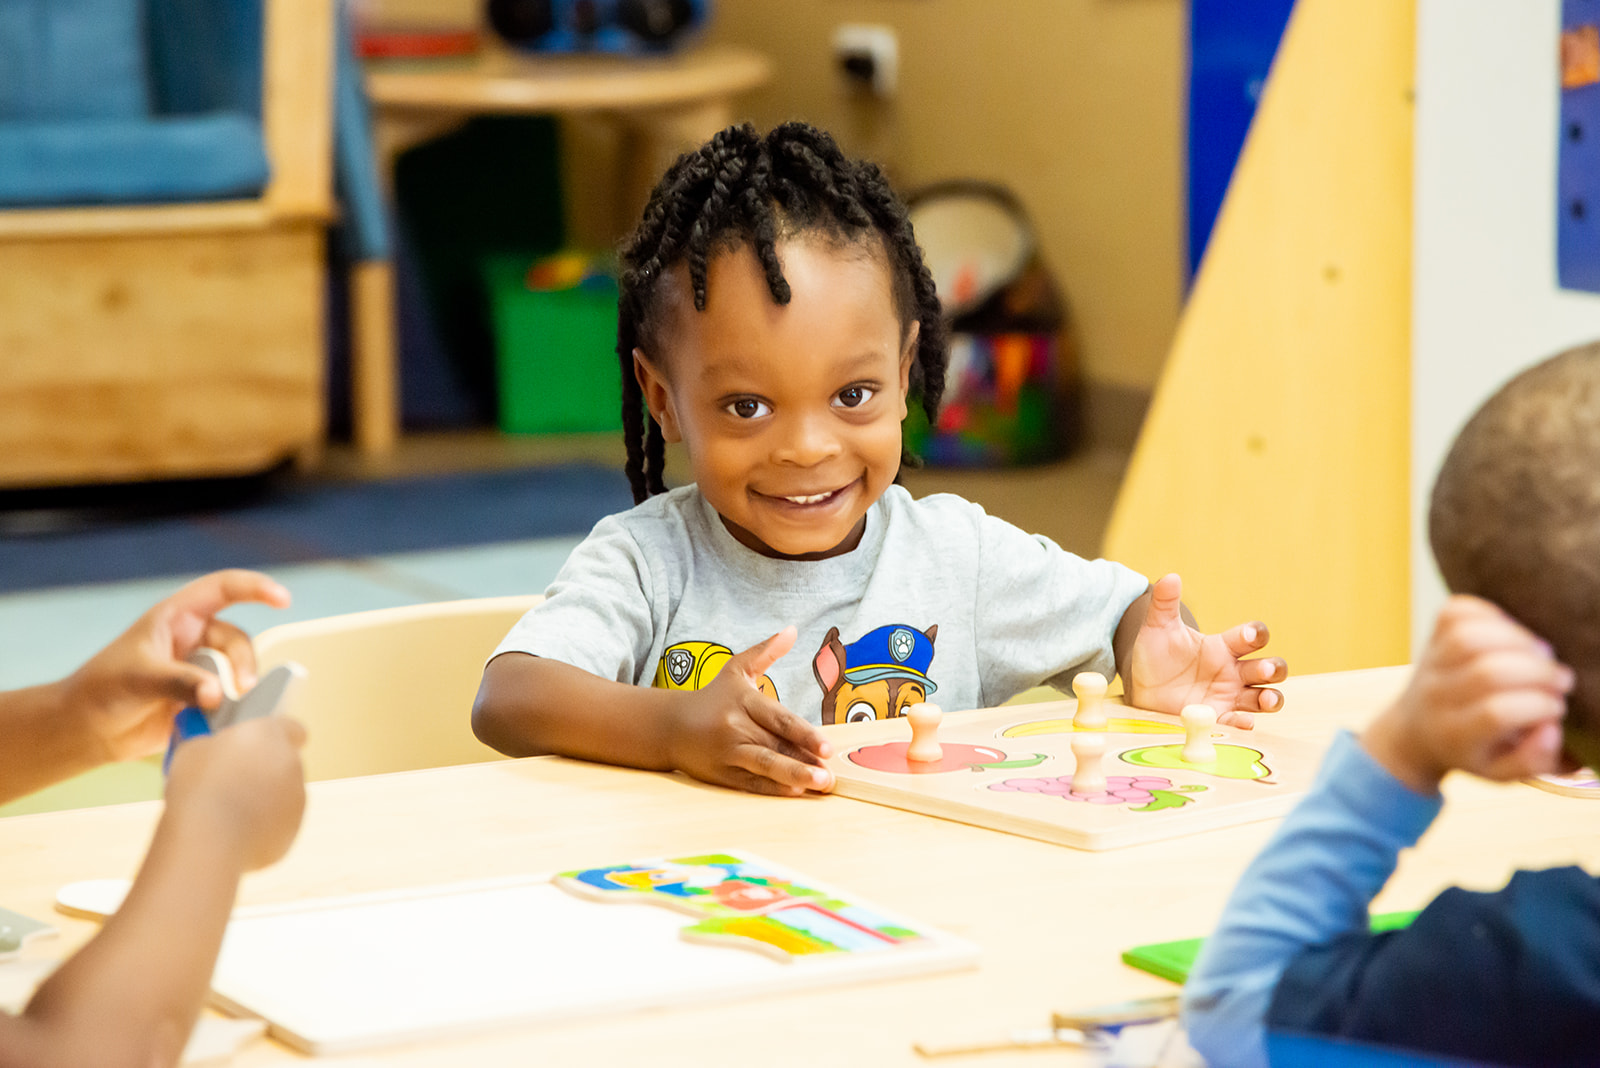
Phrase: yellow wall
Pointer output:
(1077, 105)
(1273, 470)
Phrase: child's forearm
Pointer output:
(39, 722)
(1314, 880)
(530, 706)
(132, 994)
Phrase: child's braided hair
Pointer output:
(743, 189)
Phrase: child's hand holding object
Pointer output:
(129, 692)
(245, 786)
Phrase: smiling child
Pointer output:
(776, 318)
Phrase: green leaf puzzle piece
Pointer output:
(1173, 960)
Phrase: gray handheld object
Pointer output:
(269, 696)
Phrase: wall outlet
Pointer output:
(869, 57)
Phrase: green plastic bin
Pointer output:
(555, 352)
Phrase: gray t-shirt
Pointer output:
(939, 601)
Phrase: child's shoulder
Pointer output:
(679, 507)
(938, 513)
(656, 524)
(898, 502)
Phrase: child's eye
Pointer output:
(747, 408)
(854, 396)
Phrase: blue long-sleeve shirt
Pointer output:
(1329, 858)
(1511, 977)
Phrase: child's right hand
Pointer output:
(1488, 696)
(246, 781)
(732, 734)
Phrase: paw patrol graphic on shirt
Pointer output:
(878, 677)
(691, 665)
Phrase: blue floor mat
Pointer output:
(179, 528)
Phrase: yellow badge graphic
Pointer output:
(692, 665)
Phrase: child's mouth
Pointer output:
(806, 500)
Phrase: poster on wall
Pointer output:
(1578, 170)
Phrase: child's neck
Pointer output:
(750, 541)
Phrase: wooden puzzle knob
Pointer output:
(1090, 686)
(1197, 723)
(924, 748)
(1088, 776)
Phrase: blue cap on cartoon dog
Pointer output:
(892, 652)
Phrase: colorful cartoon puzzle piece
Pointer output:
(804, 929)
(743, 903)
(712, 885)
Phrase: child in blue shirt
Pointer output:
(775, 319)
(1509, 977)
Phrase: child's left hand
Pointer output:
(1172, 665)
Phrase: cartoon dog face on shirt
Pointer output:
(878, 677)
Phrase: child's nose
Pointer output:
(809, 440)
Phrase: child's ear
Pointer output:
(908, 354)
(656, 397)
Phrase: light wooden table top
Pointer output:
(500, 79)
(1051, 922)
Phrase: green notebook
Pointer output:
(1172, 960)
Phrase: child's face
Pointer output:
(790, 413)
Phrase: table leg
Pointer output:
(374, 406)
(374, 361)
(656, 138)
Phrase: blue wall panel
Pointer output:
(1231, 46)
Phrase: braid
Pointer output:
(744, 190)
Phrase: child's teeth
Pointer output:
(811, 499)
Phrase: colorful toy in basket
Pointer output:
(622, 26)
(1011, 390)
(555, 328)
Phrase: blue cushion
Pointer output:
(364, 229)
(211, 157)
(205, 55)
(80, 59)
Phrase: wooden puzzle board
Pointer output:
(1583, 783)
(345, 973)
(1009, 769)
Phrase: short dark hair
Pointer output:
(741, 189)
(1515, 514)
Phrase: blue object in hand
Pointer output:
(190, 723)
(270, 695)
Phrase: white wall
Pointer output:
(1485, 300)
